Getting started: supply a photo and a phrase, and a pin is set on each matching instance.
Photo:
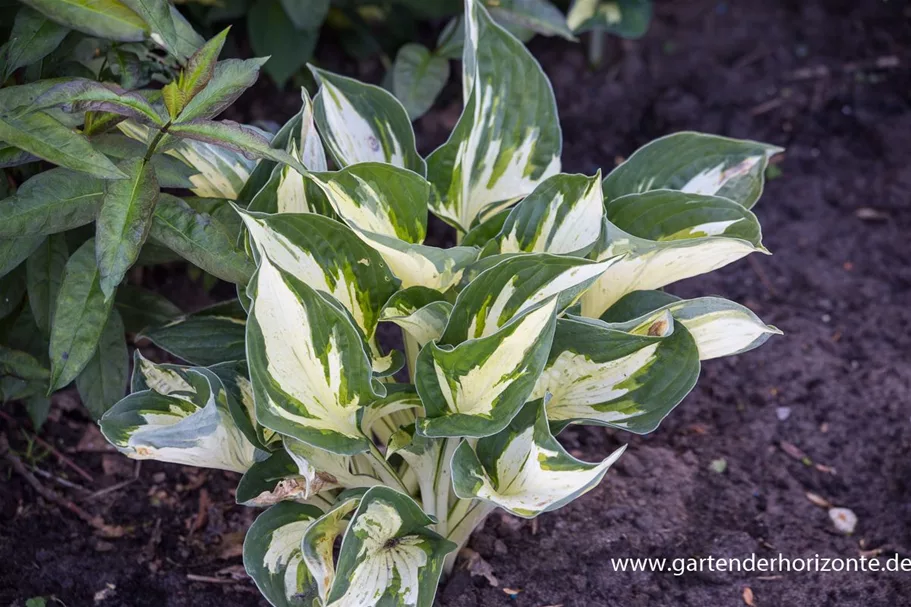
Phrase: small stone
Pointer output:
(719, 465)
(782, 413)
(159, 477)
(499, 547)
(844, 519)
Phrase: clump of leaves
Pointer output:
(546, 314)
(65, 308)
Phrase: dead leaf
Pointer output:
(818, 500)
(748, 596)
(478, 567)
(105, 593)
(92, 441)
(870, 214)
(795, 452)
(232, 545)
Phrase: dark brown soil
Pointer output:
(816, 77)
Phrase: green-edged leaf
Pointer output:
(201, 66)
(41, 135)
(44, 275)
(475, 388)
(107, 19)
(124, 221)
(170, 172)
(523, 469)
(21, 365)
(272, 554)
(104, 379)
(364, 123)
(157, 14)
(418, 76)
(508, 138)
(319, 540)
(200, 239)
(221, 173)
(561, 216)
(34, 36)
(694, 163)
(379, 198)
(193, 428)
(83, 95)
(629, 379)
(79, 317)
(664, 236)
(272, 33)
(514, 285)
(539, 16)
(419, 311)
(421, 265)
(140, 308)
(51, 202)
(625, 18)
(260, 175)
(388, 554)
(234, 136)
(12, 157)
(328, 257)
(231, 78)
(485, 231)
(207, 337)
(719, 326)
(13, 251)
(308, 364)
(312, 153)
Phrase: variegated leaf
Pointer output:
(174, 380)
(719, 326)
(379, 198)
(626, 379)
(222, 172)
(421, 312)
(273, 557)
(561, 216)
(475, 388)
(318, 544)
(694, 163)
(508, 138)
(308, 364)
(327, 256)
(398, 408)
(270, 481)
(310, 145)
(664, 236)
(364, 123)
(514, 285)
(523, 469)
(429, 459)
(388, 555)
(196, 429)
(421, 265)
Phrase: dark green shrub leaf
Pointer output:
(44, 275)
(104, 379)
(79, 317)
(207, 337)
(108, 19)
(124, 221)
(14, 251)
(201, 66)
(34, 36)
(140, 308)
(230, 79)
(201, 240)
(43, 136)
(51, 202)
(273, 34)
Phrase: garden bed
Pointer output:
(828, 81)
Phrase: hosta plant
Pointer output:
(374, 458)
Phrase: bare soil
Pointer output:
(827, 80)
